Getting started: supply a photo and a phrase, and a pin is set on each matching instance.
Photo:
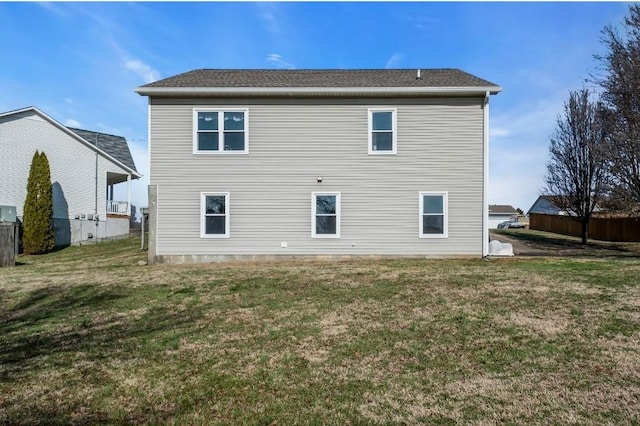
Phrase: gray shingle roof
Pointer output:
(115, 146)
(271, 78)
(501, 208)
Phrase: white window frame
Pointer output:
(220, 131)
(313, 215)
(445, 207)
(394, 131)
(227, 214)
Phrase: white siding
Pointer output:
(72, 164)
(291, 144)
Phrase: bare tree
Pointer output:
(577, 175)
(621, 95)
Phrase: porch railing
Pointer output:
(117, 207)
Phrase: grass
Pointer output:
(88, 336)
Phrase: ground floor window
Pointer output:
(433, 215)
(214, 215)
(325, 216)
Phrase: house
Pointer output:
(547, 204)
(85, 167)
(499, 213)
(247, 163)
(553, 204)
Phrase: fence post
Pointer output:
(8, 243)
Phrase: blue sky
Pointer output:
(80, 62)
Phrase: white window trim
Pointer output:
(394, 131)
(227, 211)
(220, 131)
(313, 215)
(445, 204)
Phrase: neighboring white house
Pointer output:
(500, 213)
(248, 163)
(545, 204)
(83, 176)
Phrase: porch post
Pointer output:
(129, 194)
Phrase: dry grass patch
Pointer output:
(89, 337)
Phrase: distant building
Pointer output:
(545, 204)
(500, 213)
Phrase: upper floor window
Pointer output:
(382, 131)
(433, 215)
(220, 131)
(325, 215)
(214, 215)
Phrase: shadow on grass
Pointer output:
(567, 246)
(54, 326)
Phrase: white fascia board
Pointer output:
(199, 91)
(19, 111)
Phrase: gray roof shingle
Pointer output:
(304, 78)
(115, 146)
(501, 209)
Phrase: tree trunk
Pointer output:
(585, 231)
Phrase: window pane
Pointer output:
(433, 204)
(433, 224)
(382, 141)
(208, 120)
(215, 204)
(326, 225)
(382, 120)
(215, 224)
(234, 121)
(207, 141)
(234, 141)
(325, 204)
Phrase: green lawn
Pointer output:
(88, 336)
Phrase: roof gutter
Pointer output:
(298, 91)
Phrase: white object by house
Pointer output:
(498, 248)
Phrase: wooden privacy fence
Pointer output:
(600, 228)
(8, 243)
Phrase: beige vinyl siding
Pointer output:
(72, 164)
(291, 144)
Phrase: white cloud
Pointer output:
(277, 60)
(393, 61)
(498, 132)
(267, 14)
(70, 122)
(532, 119)
(143, 70)
(421, 23)
(53, 8)
(519, 142)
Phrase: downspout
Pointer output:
(485, 177)
(129, 195)
(95, 210)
